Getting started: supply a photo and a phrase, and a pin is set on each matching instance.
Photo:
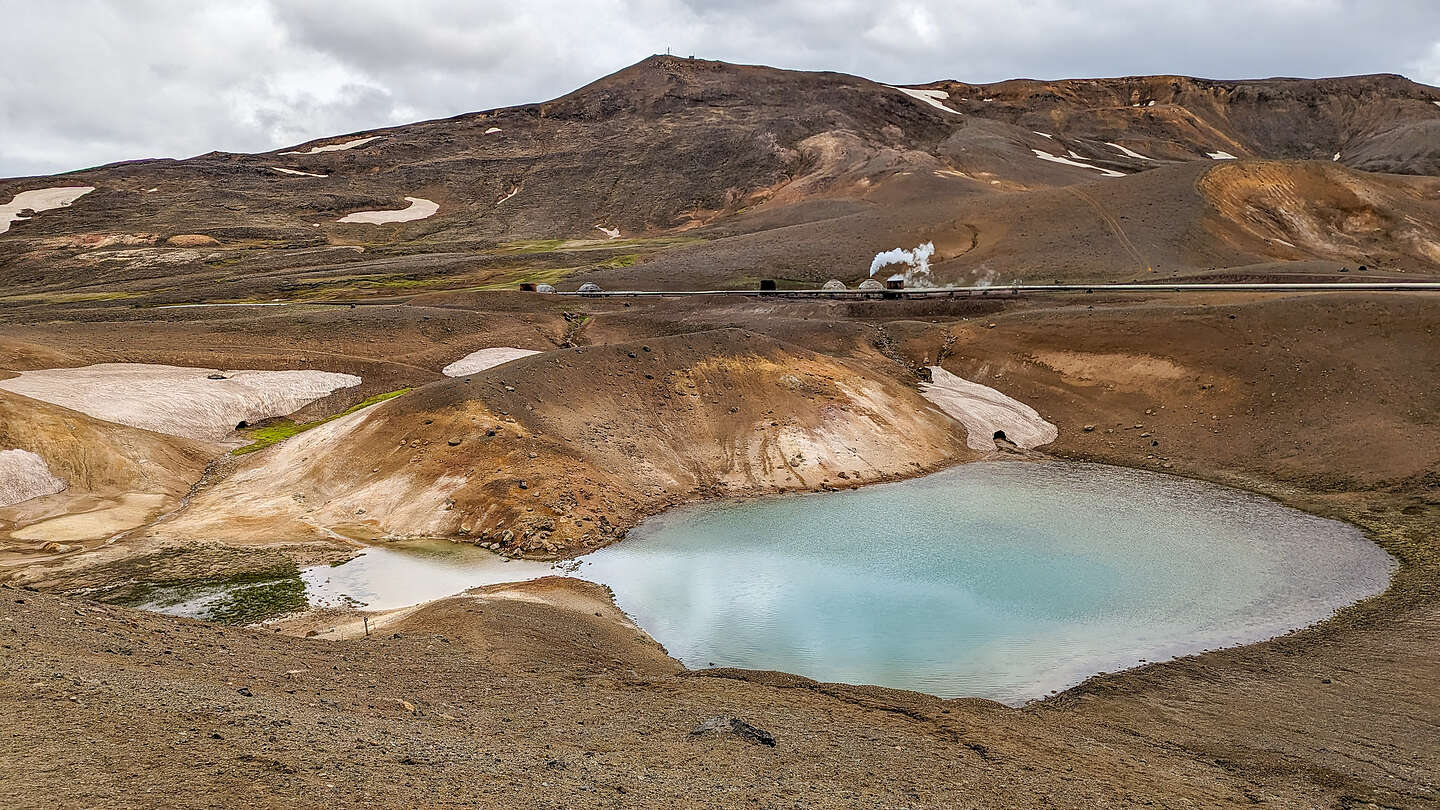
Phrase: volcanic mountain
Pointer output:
(686, 173)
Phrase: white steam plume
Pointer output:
(916, 261)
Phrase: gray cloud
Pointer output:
(91, 81)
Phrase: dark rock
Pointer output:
(736, 726)
(245, 690)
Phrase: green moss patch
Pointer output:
(282, 429)
(246, 598)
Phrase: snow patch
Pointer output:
(1043, 155)
(176, 400)
(419, 209)
(24, 475)
(983, 411)
(483, 359)
(492, 130)
(610, 233)
(40, 199)
(1335, 157)
(1042, 134)
(931, 97)
(1221, 156)
(297, 172)
(336, 147)
(513, 192)
(1126, 152)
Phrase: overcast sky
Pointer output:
(85, 82)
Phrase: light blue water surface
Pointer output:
(996, 580)
(1002, 580)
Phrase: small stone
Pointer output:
(454, 441)
(245, 690)
(736, 726)
(1089, 428)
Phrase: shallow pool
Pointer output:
(997, 580)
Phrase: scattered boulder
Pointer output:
(736, 726)
(192, 240)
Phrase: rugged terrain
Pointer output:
(678, 173)
(544, 694)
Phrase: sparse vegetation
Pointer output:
(246, 598)
(282, 429)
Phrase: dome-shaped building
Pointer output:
(870, 284)
(545, 288)
(590, 287)
(833, 284)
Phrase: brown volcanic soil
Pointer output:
(557, 451)
(523, 694)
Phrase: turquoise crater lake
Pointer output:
(998, 580)
(1002, 580)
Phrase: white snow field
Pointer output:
(610, 233)
(1219, 155)
(40, 199)
(983, 410)
(297, 172)
(419, 209)
(24, 475)
(483, 359)
(931, 97)
(1043, 155)
(335, 147)
(177, 400)
(1128, 153)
